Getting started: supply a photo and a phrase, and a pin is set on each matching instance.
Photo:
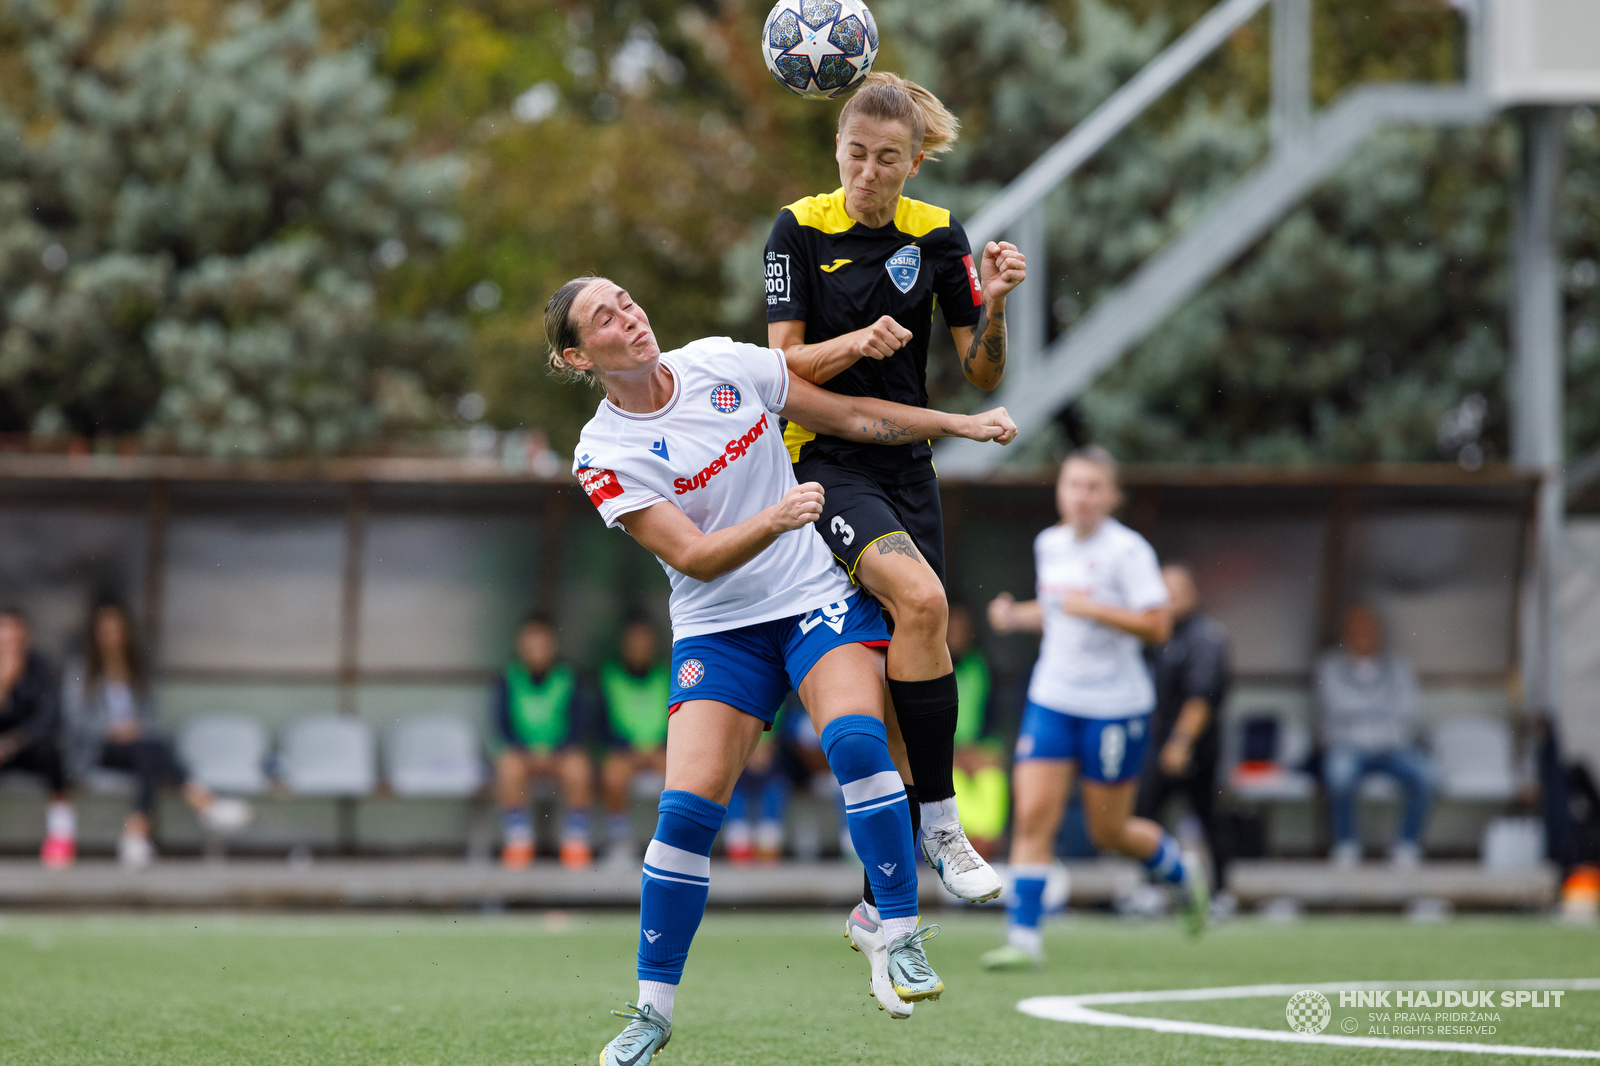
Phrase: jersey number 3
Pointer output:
(839, 525)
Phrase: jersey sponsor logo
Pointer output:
(725, 398)
(904, 266)
(734, 449)
(658, 448)
(778, 290)
(831, 616)
(972, 280)
(837, 263)
(600, 484)
(691, 673)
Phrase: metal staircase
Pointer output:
(1040, 380)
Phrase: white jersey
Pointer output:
(1086, 668)
(714, 451)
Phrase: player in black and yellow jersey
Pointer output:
(853, 278)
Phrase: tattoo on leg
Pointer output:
(898, 542)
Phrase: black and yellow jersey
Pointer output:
(837, 276)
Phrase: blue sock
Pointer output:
(677, 877)
(774, 798)
(739, 803)
(1167, 862)
(575, 824)
(1027, 901)
(875, 808)
(515, 824)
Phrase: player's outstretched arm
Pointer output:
(1006, 615)
(983, 348)
(678, 542)
(873, 421)
(828, 359)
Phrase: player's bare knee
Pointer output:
(922, 610)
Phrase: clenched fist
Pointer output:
(801, 506)
(880, 340)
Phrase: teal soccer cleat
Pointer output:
(913, 978)
(645, 1034)
(1197, 895)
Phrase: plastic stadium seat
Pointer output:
(328, 755)
(1472, 757)
(433, 757)
(225, 753)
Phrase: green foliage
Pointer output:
(191, 237)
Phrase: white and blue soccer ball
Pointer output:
(820, 49)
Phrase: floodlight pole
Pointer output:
(1536, 390)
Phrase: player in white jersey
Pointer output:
(684, 454)
(1099, 596)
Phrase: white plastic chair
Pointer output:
(1472, 756)
(225, 753)
(433, 757)
(328, 755)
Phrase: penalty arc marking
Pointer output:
(1080, 1010)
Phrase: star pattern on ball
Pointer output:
(814, 44)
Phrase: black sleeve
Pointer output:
(955, 279)
(500, 712)
(42, 723)
(1205, 674)
(788, 279)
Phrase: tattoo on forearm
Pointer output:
(887, 431)
(990, 337)
(898, 542)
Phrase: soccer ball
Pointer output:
(820, 49)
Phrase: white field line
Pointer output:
(1076, 1009)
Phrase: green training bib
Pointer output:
(972, 685)
(637, 706)
(541, 712)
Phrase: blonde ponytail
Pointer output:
(889, 97)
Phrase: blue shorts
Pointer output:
(754, 667)
(1107, 750)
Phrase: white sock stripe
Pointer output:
(676, 860)
(890, 802)
(656, 876)
(884, 783)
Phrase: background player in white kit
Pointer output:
(1100, 595)
(684, 453)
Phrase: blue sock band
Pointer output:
(677, 877)
(857, 748)
(515, 823)
(739, 803)
(1027, 902)
(1167, 862)
(575, 824)
(774, 798)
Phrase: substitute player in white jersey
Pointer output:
(684, 454)
(1100, 595)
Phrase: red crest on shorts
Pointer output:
(690, 673)
(601, 485)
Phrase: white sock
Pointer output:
(1029, 940)
(895, 928)
(940, 812)
(658, 996)
(60, 820)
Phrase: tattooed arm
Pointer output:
(983, 347)
(872, 421)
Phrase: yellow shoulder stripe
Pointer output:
(794, 438)
(825, 213)
(915, 218)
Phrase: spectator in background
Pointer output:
(1368, 704)
(110, 725)
(538, 731)
(30, 723)
(764, 787)
(1191, 673)
(634, 689)
(983, 794)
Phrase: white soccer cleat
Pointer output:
(225, 816)
(135, 852)
(962, 869)
(866, 936)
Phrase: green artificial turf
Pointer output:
(760, 988)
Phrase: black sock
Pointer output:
(927, 712)
(916, 833)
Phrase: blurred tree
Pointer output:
(190, 237)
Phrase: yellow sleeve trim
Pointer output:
(794, 438)
(915, 218)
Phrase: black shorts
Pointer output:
(857, 512)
